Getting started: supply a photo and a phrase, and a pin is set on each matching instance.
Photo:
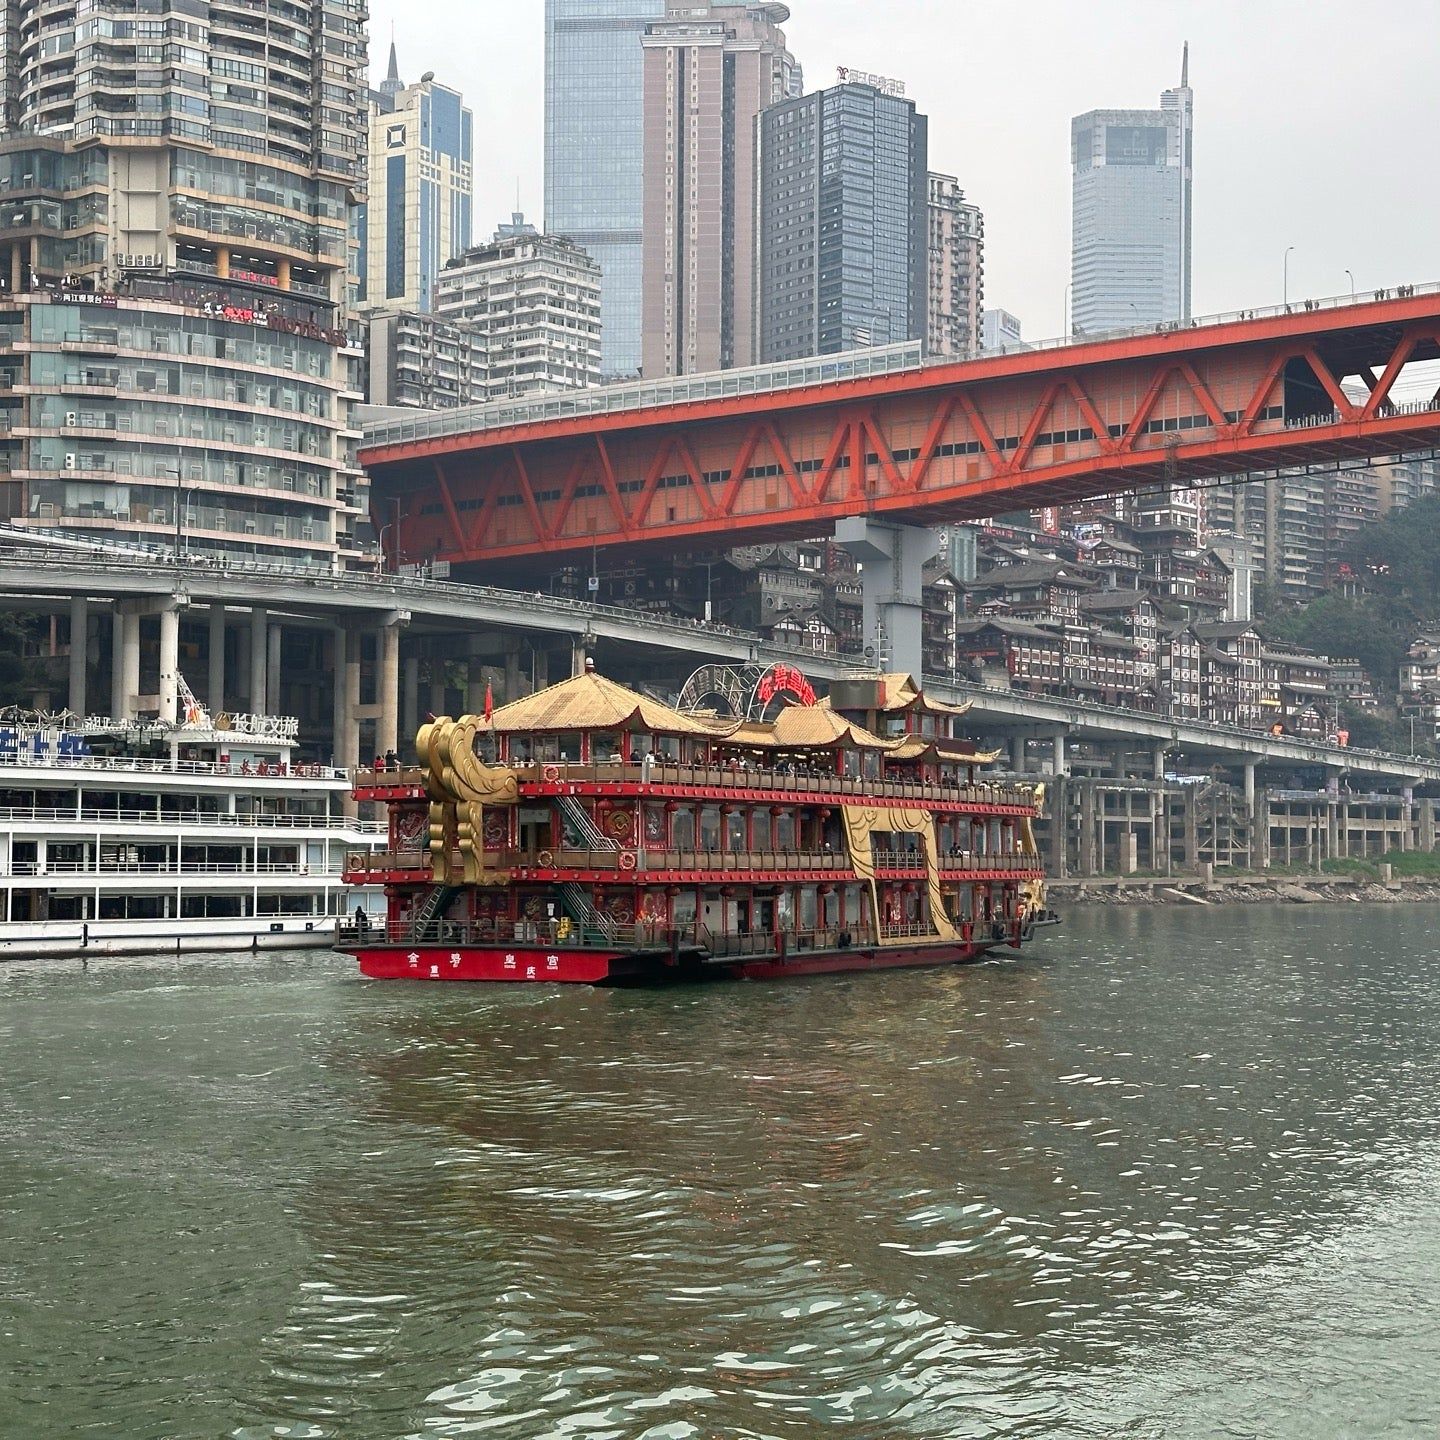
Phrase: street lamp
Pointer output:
(388, 525)
(1286, 292)
(182, 499)
(1352, 285)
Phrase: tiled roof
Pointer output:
(591, 702)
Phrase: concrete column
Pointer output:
(79, 644)
(1088, 860)
(388, 737)
(1159, 762)
(439, 689)
(1427, 824)
(170, 663)
(1017, 754)
(475, 687)
(274, 668)
(130, 702)
(259, 668)
(117, 661)
(410, 697)
(892, 584)
(215, 662)
(346, 668)
(1250, 785)
(541, 672)
(512, 674)
(578, 656)
(1057, 763)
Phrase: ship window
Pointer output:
(784, 832)
(683, 830)
(682, 910)
(604, 746)
(762, 830)
(569, 747)
(710, 827)
(735, 832)
(808, 912)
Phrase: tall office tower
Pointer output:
(535, 300)
(957, 271)
(710, 69)
(1000, 330)
(418, 213)
(176, 258)
(843, 223)
(1130, 257)
(594, 148)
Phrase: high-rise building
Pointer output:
(420, 361)
(594, 148)
(176, 256)
(418, 213)
(1000, 330)
(710, 69)
(535, 300)
(957, 271)
(843, 223)
(1130, 257)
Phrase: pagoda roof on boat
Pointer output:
(900, 692)
(809, 727)
(591, 702)
(939, 748)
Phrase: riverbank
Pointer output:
(1249, 889)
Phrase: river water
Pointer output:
(1174, 1173)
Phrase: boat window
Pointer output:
(762, 830)
(710, 827)
(604, 747)
(735, 832)
(683, 830)
(784, 832)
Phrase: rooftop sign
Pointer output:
(847, 76)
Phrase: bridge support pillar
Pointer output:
(79, 645)
(259, 667)
(1249, 784)
(170, 663)
(1159, 762)
(892, 581)
(512, 674)
(1057, 760)
(215, 661)
(274, 667)
(125, 662)
(388, 687)
(1017, 754)
(1426, 827)
(346, 652)
(410, 697)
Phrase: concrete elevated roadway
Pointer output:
(487, 626)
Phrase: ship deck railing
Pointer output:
(103, 868)
(91, 815)
(163, 765)
(797, 780)
(638, 864)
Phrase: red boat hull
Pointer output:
(537, 965)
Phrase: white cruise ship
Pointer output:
(132, 838)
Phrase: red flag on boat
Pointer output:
(489, 701)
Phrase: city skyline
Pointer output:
(1006, 131)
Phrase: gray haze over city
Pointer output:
(1307, 117)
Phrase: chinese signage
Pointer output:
(885, 86)
(82, 297)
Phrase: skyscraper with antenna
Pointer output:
(1131, 213)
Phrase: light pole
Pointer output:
(1352, 286)
(386, 526)
(182, 499)
(1286, 292)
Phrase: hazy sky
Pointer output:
(1315, 121)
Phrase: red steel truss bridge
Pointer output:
(788, 451)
